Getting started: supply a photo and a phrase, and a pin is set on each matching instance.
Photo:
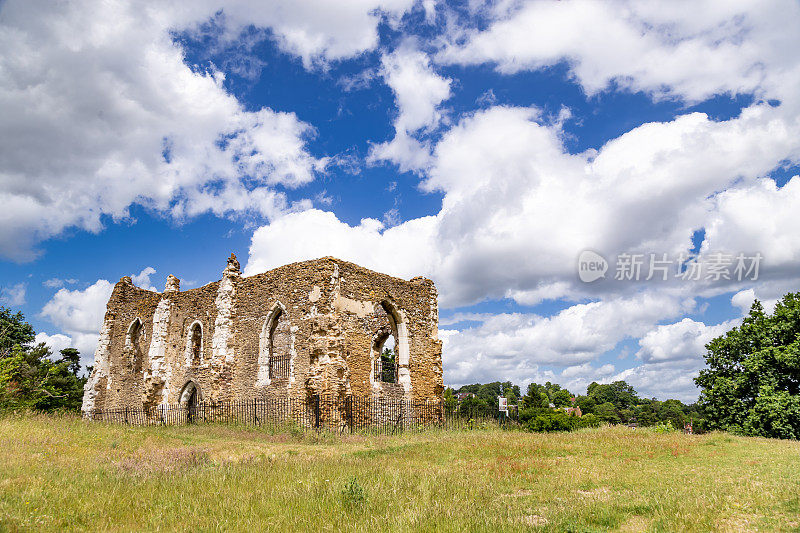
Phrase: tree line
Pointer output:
(542, 407)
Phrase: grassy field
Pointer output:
(62, 473)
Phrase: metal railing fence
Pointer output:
(344, 414)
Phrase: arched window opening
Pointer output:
(278, 347)
(385, 347)
(195, 343)
(133, 343)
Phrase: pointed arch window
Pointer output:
(194, 344)
(279, 356)
(134, 343)
(275, 347)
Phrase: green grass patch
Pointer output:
(60, 473)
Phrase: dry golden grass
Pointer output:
(61, 473)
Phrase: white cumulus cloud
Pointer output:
(684, 340)
(418, 93)
(100, 111)
(508, 345)
(316, 31)
(661, 48)
(314, 233)
(13, 295)
(142, 279)
(56, 342)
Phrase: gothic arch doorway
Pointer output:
(190, 399)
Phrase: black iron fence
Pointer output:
(346, 414)
(385, 369)
(279, 366)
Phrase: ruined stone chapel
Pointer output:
(319, 327)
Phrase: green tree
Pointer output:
(628, 416)
(618, 393)
(752, 383)
(536, 396)
(588, 421)
(513, 395)
(388, 366)
(672, 411)
(450, 402)
(558, 396)
(488, 392)
(72, 358)
(14, 331)
(647, 412)
(473, 407)
(29, 377)
(561, 398)
(586, 403)
(606, 412)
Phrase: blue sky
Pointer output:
(485, 146)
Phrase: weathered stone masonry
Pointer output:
(304, 329)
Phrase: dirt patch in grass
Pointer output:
(164, 460)
(634, 524)
(598, 494)
(739, 523)
(521, 493)
(533, 520)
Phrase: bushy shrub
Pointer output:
(589, 421)
(546, 420)
(664, 427)
(353, 494)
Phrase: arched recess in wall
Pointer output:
(134, 345)
(194, 344)
(390, 351)
(189, 398)
(275, 347)
(190, 394)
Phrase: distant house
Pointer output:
(573, 411)
(461, 396)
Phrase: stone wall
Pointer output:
(309, 328)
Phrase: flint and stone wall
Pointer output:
(326, 319)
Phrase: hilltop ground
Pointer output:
(62, 473)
